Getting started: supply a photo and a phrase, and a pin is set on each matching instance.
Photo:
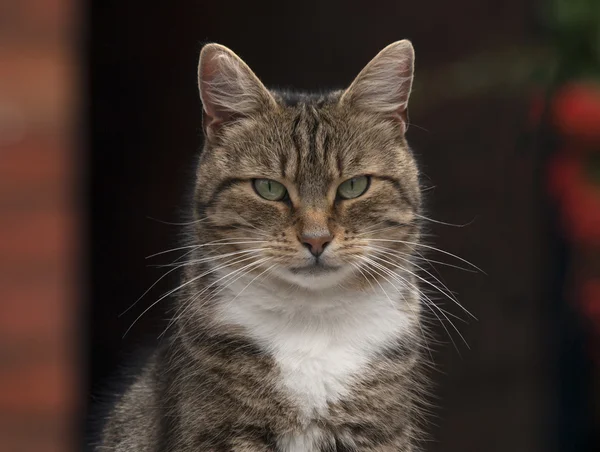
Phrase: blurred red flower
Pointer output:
(578, 195)
(576, 111)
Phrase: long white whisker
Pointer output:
(396, 265)
(402, 295)
(239, 273)
(365, 276)
(229, 283)
(256, 231)
(446, 292)
(218, 256)
(170, 292)
(373, 229)
(221, 242)
(149, 289)
(443, 222)
(251, 281)
(378, 231)
(368, 270)
(405, 281)
(431, 248)
(190, 301)
(419, 256)
(170, 271)
(177, 224)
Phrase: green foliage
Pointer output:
(575, 28)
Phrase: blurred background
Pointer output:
(99, 125)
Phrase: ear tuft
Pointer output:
(228, 88)
(384, 85)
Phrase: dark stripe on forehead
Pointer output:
(340, 163)
(326, 148)
(300, 139)
(283, 162)
(326, 130)
(296, 140)
(295, 137)
(313, 156)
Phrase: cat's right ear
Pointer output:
(228, 88)
(383, 86)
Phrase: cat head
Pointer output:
(312, 190)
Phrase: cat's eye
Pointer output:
(353, 188)
(270, 189)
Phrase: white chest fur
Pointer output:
(320, 342)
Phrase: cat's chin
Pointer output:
(314, 277)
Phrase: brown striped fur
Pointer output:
(212, 386)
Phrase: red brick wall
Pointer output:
(39, 250)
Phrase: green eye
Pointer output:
(270, 189)
(353, 188)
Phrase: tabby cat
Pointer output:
(298, 324)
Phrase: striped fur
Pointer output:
(266, 351)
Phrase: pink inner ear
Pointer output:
(211, 74)
(228, 88)
(383, 86)
(208, 73)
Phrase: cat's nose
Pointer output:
(316, 244)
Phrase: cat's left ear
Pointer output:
(228, 88)
(384, 85)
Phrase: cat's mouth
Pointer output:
(316, 268)
(316, 274)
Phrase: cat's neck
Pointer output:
(275, 315)
(320, 341)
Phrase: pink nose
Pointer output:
(316, 245)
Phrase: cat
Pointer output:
(298, 324)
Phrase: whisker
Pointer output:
(443, 312)
(170, 292)
(149, 289)
(172, 250)
(361, 272)
(444, 223)
(253, 231)
(371, 229)
(229, 283)
(167, 273)
(220, 242)
(211, 258)
(410, 124)
(251, 281)
(239, 273)
(446, 293)
(419, 256)
(190, 301)
(175, 223)
(432, 285)
(378, 231)
(423, 335)
(432, 248)
(380, 286)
